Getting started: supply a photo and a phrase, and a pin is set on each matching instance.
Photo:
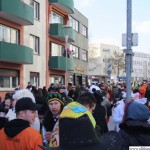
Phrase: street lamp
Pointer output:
(66, 32)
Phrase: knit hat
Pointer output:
(138, 111)
(55, 96)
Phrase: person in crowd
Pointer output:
(135, 129)
(87, 100)
(44, 91)
(142, 89)
(17, 134)
(55, 104)
(12, 113)
(70, 91)
(119, 111)
(51, 88)
(107, 105)
(137, 95)
(115, 92)
(8, 104)
(3, 119)
(147, 95)
(100, 112)
(75, 120)
(30, 87)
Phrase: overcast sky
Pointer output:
(107, 21)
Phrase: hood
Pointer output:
(15, 126)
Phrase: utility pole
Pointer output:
(129, 49)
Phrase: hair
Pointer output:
(87, 98)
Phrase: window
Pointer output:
(34, 44)
(56, 49)
(36, 7)
(56, 18)
(75, 50)
(34, 78)
(9, 78)
(74, 24)
(84, 30)
(8, 34)
(84, 55)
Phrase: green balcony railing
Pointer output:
(56, 31)
(59, 63)
(15, 53)
(16, 11)
(65, 5)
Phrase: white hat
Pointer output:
(23, 93)
(94, 87)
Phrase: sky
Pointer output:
(107, 21)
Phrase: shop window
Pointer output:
(9, 78)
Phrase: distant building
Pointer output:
(99, 55)
(141, 66)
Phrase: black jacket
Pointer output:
(134, 133)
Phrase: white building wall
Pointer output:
(39, 30)
(101, 52)
(141, 66)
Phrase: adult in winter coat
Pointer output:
(135, 130)
(55, 104)
(100, 113)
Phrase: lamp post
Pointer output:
(66, 32)
(129, 52)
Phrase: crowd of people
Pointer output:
(75, 117)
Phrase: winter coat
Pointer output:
(18, 135)
(99, 116)
(135, 133)
(147, 94)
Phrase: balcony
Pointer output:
(56, 31)
(59, 63)
(15, 53)
(16, 11)
(65, 5)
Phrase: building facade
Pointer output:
(141, 67)
(14, 51)
(99, 56)
(32, 43)
(77, 45)
(80, 48)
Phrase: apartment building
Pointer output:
(141, 66)
(14, 51)
(32, 43)
(77, 44)
(80, 47)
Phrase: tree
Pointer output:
(118, 62)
